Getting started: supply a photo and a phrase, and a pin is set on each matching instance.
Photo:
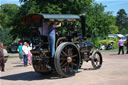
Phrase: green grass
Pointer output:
(12, 56)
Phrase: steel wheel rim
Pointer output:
(69, 59)
(97, 60)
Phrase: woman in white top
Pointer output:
(26, 50)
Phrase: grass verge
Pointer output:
(12, 56)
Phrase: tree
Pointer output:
(5, 36)
(47, 6)
(99, 22)
(7, 14)
(9, 11)
(59, 6)
(122, 20)
(114, 29)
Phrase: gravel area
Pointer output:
(114, 71)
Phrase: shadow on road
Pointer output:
(18, 66)
(118, 55)
(29, 76)
(113, 54)
(88, 69)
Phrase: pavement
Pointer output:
(114, 71)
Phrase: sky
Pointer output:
(112, 5)
(10, 2)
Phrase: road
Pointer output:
(114, 71)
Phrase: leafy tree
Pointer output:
(7, 14)
(114, 29)
(99, 22)
(5, 36)
(122, 20)
(2, 19)
(60, 6)
(9, 10)
(47, 6)
(124, 31)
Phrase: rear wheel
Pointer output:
(67, 59)
(96, 60)
(39, 65)
(81, 63)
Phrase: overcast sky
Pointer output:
(112, 5)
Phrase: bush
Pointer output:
(125, 43)
(115, 45)
(108, 41)
(103, 42)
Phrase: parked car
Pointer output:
(12, 48)
(117, 36)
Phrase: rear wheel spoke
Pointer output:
(73, 56)
(63, 65)
(64, 53)
(63, 59)
(74, 64)
(62, 62)
(70, 50)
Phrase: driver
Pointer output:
(51, 36)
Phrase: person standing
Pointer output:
(3, 57)
(2, 64)
(51, 36)
(29, 54)
(121, 45)
(26, 50)
(20, 52)
(127, 45)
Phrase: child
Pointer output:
(29, 58)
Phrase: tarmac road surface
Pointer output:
(114, 71)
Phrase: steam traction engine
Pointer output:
(71, 50)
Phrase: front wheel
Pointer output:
(96, 60)
(67, 59)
